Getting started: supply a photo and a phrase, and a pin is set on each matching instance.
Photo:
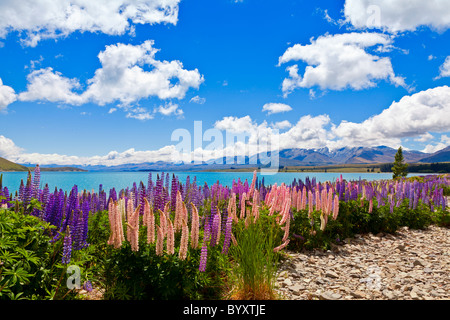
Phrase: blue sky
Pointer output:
(109, 84)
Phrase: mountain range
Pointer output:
(287, 157)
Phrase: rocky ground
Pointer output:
(413, 264)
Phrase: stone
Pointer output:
(419, 262)
(287, 282)
(331, 274)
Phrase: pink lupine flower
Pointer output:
(303, 198)
(294, 196)
(178, 211)
(318, 204)
(184, 240)
(370, 205)
(159, 241)
(163, 222)
(310, 203)
(244, 198)
(281, 246)
(336, 206)
(255, 207)
(150, 222)
(118, 228)
(170, 237)
(133, 227)
(194, 227)
(252, 187)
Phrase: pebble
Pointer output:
(409, 265)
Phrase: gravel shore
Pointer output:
(410, 265)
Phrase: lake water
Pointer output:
(119, 180)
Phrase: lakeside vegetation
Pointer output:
(169, 239)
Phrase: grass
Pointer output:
(6, 165)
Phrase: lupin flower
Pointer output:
(194, 227)
(67, 251)
(283, 245)
(133, 225)
(228, 234)
(204, 251)
(184, 240)
(159, 241)
(178, 211)
(335, 207)
(170, 237)
(150, 222)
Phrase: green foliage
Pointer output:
(30, 264)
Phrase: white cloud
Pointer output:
(47, 85)
(338, 62)
(8, 147)
(198, 99)
(44, 19)
(121, 79)
(444, 70)
(398, 15)
(443, 143)
(235, 124)
(7, 96)
(170, 109)
(412, 116)
(276, 108)
(424, 137)
(139, 113)
(282, 125)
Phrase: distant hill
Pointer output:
(439, 156)
(6, 165)
(287, 157)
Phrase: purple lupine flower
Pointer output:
(214, 229)
(227, 235)
(36, 182)
(87, 285)
(204, 251)
(173, 193)
(150, 189)
(67, 251)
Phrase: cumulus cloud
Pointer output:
(398, 15)
(338, 62)
(170, 109)
(282, 124)
(139, 113)
(443, 143)
(444, 70)
(121, 78)
(412, 116)
(48, 85)
(235, 124)
(7, 96)
(276, 108)
(198, 99)
(44, 19)
(8, 148)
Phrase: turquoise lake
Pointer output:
(121, 180)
